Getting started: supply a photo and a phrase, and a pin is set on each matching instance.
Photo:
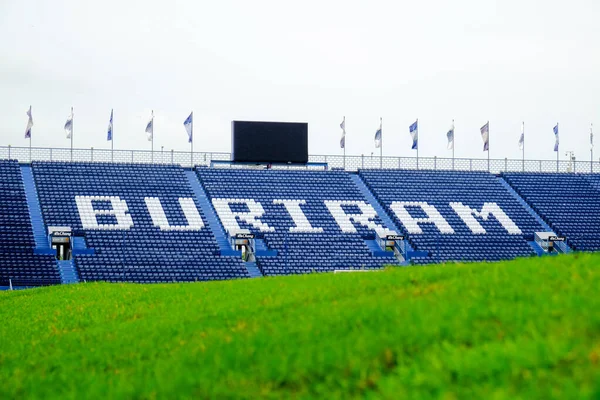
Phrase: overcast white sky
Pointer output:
(314, 61)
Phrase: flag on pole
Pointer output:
(110, 127)
(189, 126)
(378, 136)
(450, 136)
(485, 135)
(556, 136)
(29, 124)
(150, 128)
(591, 136)
(69, 125)
(343, 139)
(414, 133)
(522, 138)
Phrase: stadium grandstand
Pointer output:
(201, 217)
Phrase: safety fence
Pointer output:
(349, 163)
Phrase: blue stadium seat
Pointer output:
(144, 252)
(440, 189)
(18, 263)
(449, 215)
(298, 252)
(569, 203)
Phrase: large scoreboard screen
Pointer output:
(269, 142)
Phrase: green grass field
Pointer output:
(528, 328)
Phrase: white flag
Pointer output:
(29, 124)
(343, 139)
(413, 129)
(450, 136)
(378, 135)
(522, 138)
(485, 136)
(69, 125)
(109, 135)
(150, 127)
(189, 126)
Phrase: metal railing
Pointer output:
(21, 282)
(349, 163)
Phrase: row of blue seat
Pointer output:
(439, 189)
(299, 252)
(18, 263)
(144, 246)
(569, 203)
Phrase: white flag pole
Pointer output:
(417, 143)
(72, 134)
(558, 146)
(381, 143)
(152, 139)
(30, 160)
(488, 143)
(112, 136)
(523, 147)
(591, 148)
(453, 144)
(192, 141)
(344, 133)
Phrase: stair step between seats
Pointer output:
(525, 205)
(261, 249)
(80, 247)
(66, 269)
(253, 270)
(211, 217)
(381, 213)
(40, 235)
(377, 251)
(68, 273)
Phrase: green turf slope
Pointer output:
(523, 329)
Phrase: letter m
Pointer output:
(468, 214)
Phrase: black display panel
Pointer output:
(269, 142)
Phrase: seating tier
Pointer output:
(144, 252)
(569, 203)
(18, 263)
(440, 189)
(298, 252)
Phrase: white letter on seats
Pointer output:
(298, 216)
(412, 224)
(365, 218)
(87, 213)
(468, 214)
(159, 218)
(227, 216)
